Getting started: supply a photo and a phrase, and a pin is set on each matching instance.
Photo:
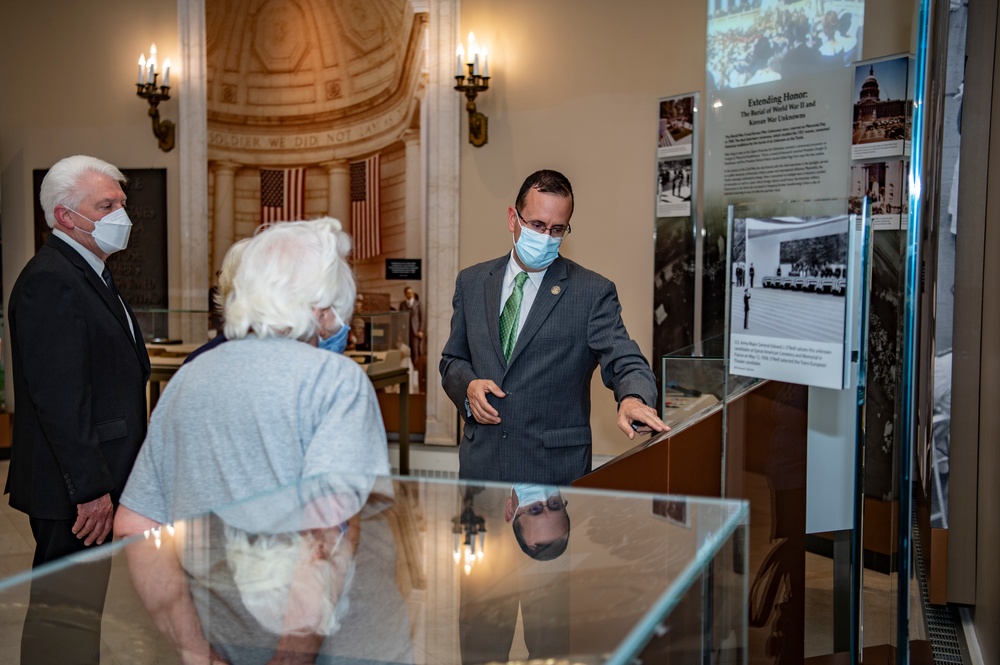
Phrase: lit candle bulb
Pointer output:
(459, 57)
(152, 63)
(473, 54)
(166, 73)
(142, 69)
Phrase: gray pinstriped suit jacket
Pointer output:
(574, 325)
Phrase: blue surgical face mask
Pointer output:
(337, 342)
(528, 493)
(536, 250)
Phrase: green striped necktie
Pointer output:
(510, 315)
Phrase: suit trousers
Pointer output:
(63, 621)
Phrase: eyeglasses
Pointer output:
(557, 231)
(553, 503)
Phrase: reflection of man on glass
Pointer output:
(540, 521)
(506, 580)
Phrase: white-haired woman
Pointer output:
(265, 410)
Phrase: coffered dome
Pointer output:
(299, 67)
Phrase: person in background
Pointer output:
(263, 411)
(226, 273)
(411, 304)
(79, 369)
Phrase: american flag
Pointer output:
(282, 195)
(365, 224)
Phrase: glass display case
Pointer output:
(425, 571)
(177, 326)
(694, 380)
(379, 337)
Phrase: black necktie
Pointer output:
(109, 280)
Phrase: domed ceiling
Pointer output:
(305, 67)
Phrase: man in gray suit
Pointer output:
(528, 331)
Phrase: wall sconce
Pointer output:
(473, 528)
(147, 89)
(472, 84)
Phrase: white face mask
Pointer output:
(111, 232)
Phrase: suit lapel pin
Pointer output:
(556, 290)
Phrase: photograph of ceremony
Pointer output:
(673, 191)
(755, 41)
(789, 278)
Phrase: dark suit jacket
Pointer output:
(574, 325)
(416, 325)
(79, 385)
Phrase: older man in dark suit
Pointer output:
(80, 369)
(528, 331)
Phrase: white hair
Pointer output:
(230, 262)
(61, 185)
(290, 583)
(285, 272)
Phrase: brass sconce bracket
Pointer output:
(472, 85)
(164, 130)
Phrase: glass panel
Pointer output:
(374, 335)
(796, 275)
(171, 327)
(420, 571)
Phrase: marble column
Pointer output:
(414, 213)
(189, 285)
(442, 126)
(338, 206)
(224, 211)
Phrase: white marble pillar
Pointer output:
(338, 206)
(189, 289)
(414, 213)
(442, 126)
(224, 211)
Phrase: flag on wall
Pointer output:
(282, 195)
(365, 224)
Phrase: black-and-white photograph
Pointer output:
(789, 278)
(788, 294)
(676, 132)
(882, 116)
(882, 183)
(673, 289)
(756, 41)
(673, 191)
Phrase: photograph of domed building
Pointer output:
(881, 111)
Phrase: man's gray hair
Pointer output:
(285, 272)
(61, 185)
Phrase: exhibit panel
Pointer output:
(399, 570)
